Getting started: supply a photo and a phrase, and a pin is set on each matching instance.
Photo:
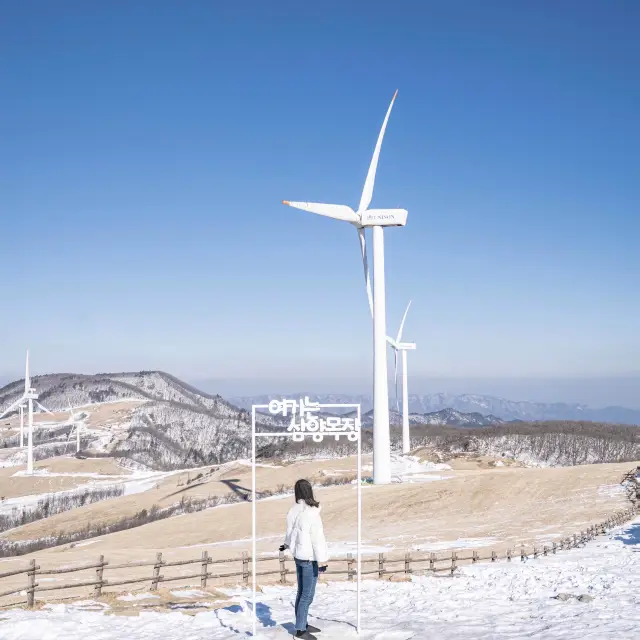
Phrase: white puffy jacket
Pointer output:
(305, 535)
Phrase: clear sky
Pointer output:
(145, 148)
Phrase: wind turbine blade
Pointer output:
(365, 264)
(392, 342)
(9, 409)
(336, 211)
(42, 407)
(367, 192)
(404, 317)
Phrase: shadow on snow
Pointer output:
(631, 535)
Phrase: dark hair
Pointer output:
(304, 491)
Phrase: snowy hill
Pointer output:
(57, 391)
(175, 426)
(486, 405)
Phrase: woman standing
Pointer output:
(305, 539)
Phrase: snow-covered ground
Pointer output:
(484, 602)
(405, 468)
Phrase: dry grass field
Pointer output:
(477, 506)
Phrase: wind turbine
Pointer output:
(74, 425)
(403, 347)
(377, 219)
(29, 397)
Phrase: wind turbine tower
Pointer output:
(377, 219)
(403, 347)
(29, 397)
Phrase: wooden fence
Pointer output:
(378, 566)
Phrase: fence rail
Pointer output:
(381, 565)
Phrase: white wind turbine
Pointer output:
(403, 347)
(29, 397)
(377, 219)
(75, 425)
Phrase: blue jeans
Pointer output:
(307, 574)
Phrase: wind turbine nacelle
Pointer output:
(384, 218)
(406, 346)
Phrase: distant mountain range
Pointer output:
(444, 417)
(488, 406)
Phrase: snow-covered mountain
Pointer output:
(174, 425)
(471, 403)
(522, 410)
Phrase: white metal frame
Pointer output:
(289, 434)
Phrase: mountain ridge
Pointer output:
(487, 405)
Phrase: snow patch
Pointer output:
(132, 597)
(190, 593)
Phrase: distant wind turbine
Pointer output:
(403, 347)
(74, 426)
(377, 219)
(29, 397)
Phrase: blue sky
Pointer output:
(146, 148)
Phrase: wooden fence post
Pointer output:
(454, 557)
(380, 565)
(350, 567)
(283, 569)
(553, 548)
(31, 581)
(545, 550)
(474, 557)
(407, 562)
(522, 554)
(97, 588)
(508, 555)
(432, 562)
(493, 556)
(245, 568)
(204, 569)
(575, 540)
(535, 552)
(156, 572)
